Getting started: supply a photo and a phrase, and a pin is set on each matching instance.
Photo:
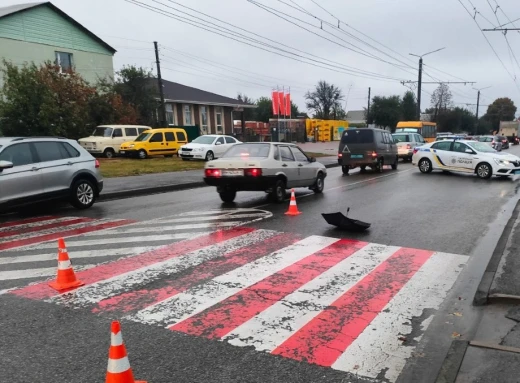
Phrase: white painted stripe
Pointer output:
(54, 230)
(108, 241)
(157, 229)
(427, 289)
(36, 273)
(117, 366)
(273, 326)
(39, 223)
(116, 339)
(96, 292)
(95, 253)
(184, 305)
(214, 218)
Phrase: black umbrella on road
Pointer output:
(345, 223)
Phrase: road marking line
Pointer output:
(426, 290)
(273, 326)
(182, 306)
(328, 335)
(28, 222)
(39, 225)
(35, 273)
(230, 313)
(141, 275)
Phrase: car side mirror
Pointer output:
(218, 143)
(469, 151)
(312, 159)
(5, 165)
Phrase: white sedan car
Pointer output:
(467, 157)
(207, 147)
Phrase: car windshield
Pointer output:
(102, 132)
(401, 137)
(248, 150)
(143, 137)
(207, 140)
(481, 147)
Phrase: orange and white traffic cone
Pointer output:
(118, 369)
(293, 209)
(66, 279)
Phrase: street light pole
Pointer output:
(419, 84)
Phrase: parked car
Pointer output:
(406, 143)
(367, 147)
(34, 169)
(107, 139)
(466, 157)
(207, 147)
(494, 141)
(155, 142)
(272, 167)
(505, 142)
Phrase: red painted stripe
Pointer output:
(45, 227)
(60, 234)
(26, 221)
(137, 300)
(108, 270)
(327, 336)
(219, 320)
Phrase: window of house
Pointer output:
(204, 119)
(187, 115)
(170, 116)
(64, 61)
(219, 119)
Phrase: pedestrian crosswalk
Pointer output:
(338, 303)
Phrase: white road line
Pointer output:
(106, 240)
(214, 218)
(104, 289)
(182, 306)
(36, 273)
(156, 229)
(273, 326)
(94, 253)
(24, 226)
(427, 289)
(65, 227)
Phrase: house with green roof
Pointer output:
(39, 32)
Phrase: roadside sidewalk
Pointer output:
(493, 355)
(125, 187)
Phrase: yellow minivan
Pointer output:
(155, 142)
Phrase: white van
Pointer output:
(107, 139)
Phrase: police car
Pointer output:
(467, 157)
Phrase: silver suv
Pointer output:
(34, 169)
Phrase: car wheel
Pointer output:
(320, 184)
(425, 165)
(142, 154)
(484, 171)
(210, 156)
(362, 168)
(278, 193)
(394, 165)
(345, 169)
(109, 153)
(379, 165)
(83, 194)
(228, 196)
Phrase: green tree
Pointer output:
(502, 109)
(249, 113)
(385, 111)
(324, 100)
(138, 87)
(408, 107)
(42, 101)
(456, 120)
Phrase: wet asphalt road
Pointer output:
(442, 212)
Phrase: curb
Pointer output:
(482, 295)
(161, 189)
(451, 365)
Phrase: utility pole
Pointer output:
(478, 102)
(419, 86)
(368, 108)
(162, 108)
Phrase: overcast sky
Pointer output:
(404, 26)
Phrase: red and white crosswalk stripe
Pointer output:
(333, 302)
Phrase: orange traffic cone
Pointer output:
(118, 369)
(66, 278)
(293, 209)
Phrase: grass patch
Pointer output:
(123, 167)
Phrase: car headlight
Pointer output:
(501, 162)
(199, 149)
(131, 145)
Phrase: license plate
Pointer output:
(232, 173)
(356, 156)
(122, 151)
